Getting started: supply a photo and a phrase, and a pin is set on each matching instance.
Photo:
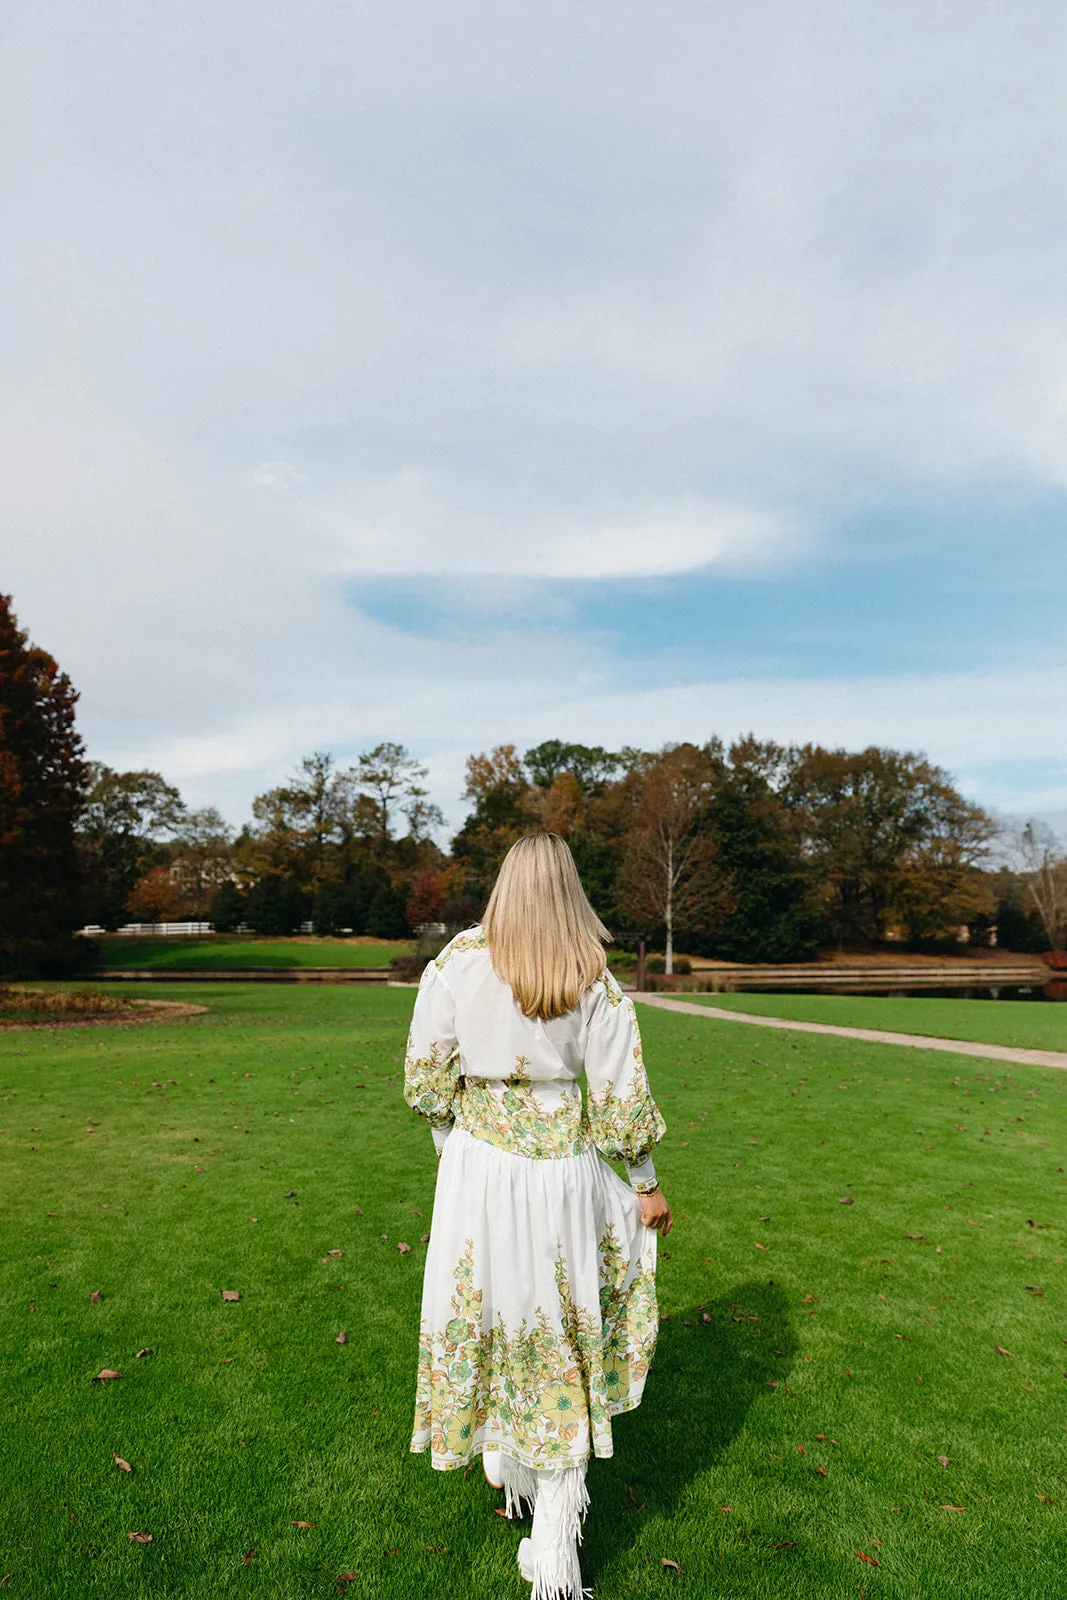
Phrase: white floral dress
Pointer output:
(539, 1313)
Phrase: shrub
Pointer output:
(682, 965)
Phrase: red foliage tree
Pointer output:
(429, 890)
(43, 778)
(157, 897)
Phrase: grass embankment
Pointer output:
(815, 1362)
(220, 954)
(1028, 1025)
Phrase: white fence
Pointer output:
(165, 930)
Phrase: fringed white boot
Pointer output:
(518, 1482)
(549, 1558)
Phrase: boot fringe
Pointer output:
(520, 1485)
(556, 1571)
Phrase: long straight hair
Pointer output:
(545, 939)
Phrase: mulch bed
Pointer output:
(134, 1015)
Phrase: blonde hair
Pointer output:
(544, 937)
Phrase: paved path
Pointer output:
(918, 1041)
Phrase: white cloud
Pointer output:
(411, 523)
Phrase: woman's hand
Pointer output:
(655, 1212)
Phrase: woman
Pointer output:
(539, 1301)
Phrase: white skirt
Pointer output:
(539, 1310)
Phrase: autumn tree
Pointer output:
(158, 897)
(390, 776)
(671, 877)
(43, 776)
(591, 766)
(1044, 867)
(204, 858)
(498, 786)
(884, 834)
(329, 834)
(296, 822)
(125, 828)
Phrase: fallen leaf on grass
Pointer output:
(342, 1579)
(147, 1351)
(96, 1295)
(802, 1450)
(424, 1238)
(725, 1508)
(864, 1557)
(1045, 1501)
(291, 1195)
(826, 1439)
(404, 1249)
(358, 1210)
(999, 1348)
(250, 1554)
(105, 1374)
(335, 1252)
(303, 1524)
(847, 1201)
(672, 1566)
(123, 1466)
(952, 1508)
(342, 1337)
(915, 1236)
(761, 1247)
(633, 1498)
(140, 1538)
(787, 1544)
(231, 1294)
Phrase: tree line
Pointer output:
(751, 852)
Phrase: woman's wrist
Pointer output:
(642, 1176)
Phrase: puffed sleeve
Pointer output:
(623, 1117)
(431, 1064)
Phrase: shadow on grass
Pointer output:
(705, 1377)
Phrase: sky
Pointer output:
(620, 373)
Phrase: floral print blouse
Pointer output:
(475, 1061)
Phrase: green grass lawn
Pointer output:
(815, 1360)
(218, 954)
(1029, 1024)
